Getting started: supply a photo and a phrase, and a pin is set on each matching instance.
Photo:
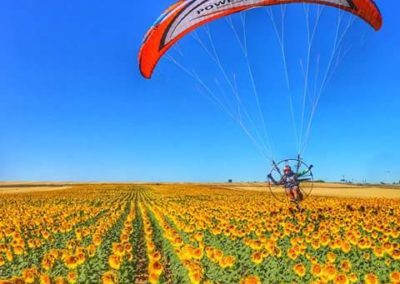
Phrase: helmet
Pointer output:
(287, 168)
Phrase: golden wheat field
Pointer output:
(194, 234)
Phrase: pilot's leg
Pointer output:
(289, 194)
(295, 191)
(297, 197)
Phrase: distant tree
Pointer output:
(230, 181)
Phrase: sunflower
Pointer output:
(395, 277)
(71, 262)
(329, 272)
(364, 243)
(257, 257)
(118, 249)
(353, 278)
(153, 278)
(346, 247)
(177, 242)
(45, 234)
(97, 240)
(256, 245)
(395, 233)
(218, 254)
(316, 269)
(195, 277)
(128, 247)
(72, 277)
(44, 279)
(216, 231)
(227, 261)
(345, 265)
(3, 247)
(197, 253)
(374, 235)
(318, 281)
(17, 280)
(59, 280)
(29, 275)
(109, 277)
(155, 256)
(331, 257)
(199, 236)
(292, 254)
(9, 256)
(81, 258)
(151, 246)
(129, 256)
(396, 254)
(379, 252)
(315, 244)
(114, 261)
(250, 280)
(387, 246)
(91, 250)
(299, 269)
(124, 237)
(47, 263)
(324, 240)
(371, 278)
(31, 243)
(341, 279)
(277, 252)
(230, 260)
(155, 267)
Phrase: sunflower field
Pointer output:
(194, 234)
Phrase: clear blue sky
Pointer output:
(73, 105)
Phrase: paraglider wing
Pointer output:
(187, 15)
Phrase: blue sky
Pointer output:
(73, 105)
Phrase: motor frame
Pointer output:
(306, 182)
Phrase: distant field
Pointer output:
(333, 190)
(11, 187)
(320, 189)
